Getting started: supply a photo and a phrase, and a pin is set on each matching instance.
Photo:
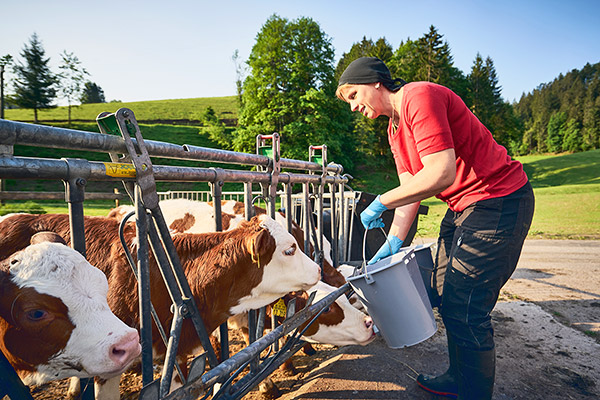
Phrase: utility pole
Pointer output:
(4, 61)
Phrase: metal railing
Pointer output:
(269, 177)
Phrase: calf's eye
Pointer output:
(36, 315)
(291, 250)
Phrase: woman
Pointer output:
(441, 149)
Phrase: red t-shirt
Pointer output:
(433, 118)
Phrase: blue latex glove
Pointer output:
(391, 246)
(371, 216)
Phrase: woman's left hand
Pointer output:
(391, 246)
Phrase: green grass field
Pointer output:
(567, 186)
(179, 109)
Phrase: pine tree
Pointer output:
(556, 131)
(572, 141)
(34, 83)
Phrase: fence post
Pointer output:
(75, 195)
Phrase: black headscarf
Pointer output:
(370, 70)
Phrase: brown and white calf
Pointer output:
(228, 272)
(55, 321)
(189, 216)
(340, 324)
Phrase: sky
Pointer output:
(156, 50)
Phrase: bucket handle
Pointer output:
(363, 269)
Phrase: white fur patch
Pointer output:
(283, 274)
(59, 271)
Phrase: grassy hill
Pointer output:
(179, 111)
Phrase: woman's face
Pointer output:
(366, 99)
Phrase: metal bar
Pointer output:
(170, 357)
(334, 228)
(342, 228)
(12, 132)
(306, 219)
(53, 169)
(19, 195)
(206, 381)
(10, 383)
(216, 195)
(143, 278)
(75, 195)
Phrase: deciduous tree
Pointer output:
(4, 62)
(71, 78)
(92, 93)
(290, 89)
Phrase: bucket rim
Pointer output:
(385, 264)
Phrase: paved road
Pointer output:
(553, 296)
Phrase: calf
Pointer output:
(228, 272)
(189, 216)
(340, 324)
(54, 318)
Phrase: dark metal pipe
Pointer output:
(143, 278)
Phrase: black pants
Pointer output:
(478, 250)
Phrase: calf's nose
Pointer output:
(368, 322)
(126, 349)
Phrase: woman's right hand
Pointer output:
(371, 216)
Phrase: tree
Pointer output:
(556, 131)
(486, 102)
(4, 62)
(572, 141)
(92, 93)
(34, 83)
(429, 59)
(577, 94)
(215, 128)
(71, 78)
(240, 72)
(291, 90)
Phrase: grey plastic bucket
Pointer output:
(425, 263)
(394, 295)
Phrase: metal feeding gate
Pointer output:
(130, 154)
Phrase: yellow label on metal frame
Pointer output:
(279, 308)
(117, 170)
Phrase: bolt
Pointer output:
(183, 310)
(80, 182)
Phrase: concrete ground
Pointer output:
(547, 329)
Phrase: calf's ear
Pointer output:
(261, 244)
(47, 237)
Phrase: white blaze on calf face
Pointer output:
(100, 344)
(289, 269)
(341, 324)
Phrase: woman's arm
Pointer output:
(404, 215)
(437, 174)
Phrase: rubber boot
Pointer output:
(476, 371)
(447, 383)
